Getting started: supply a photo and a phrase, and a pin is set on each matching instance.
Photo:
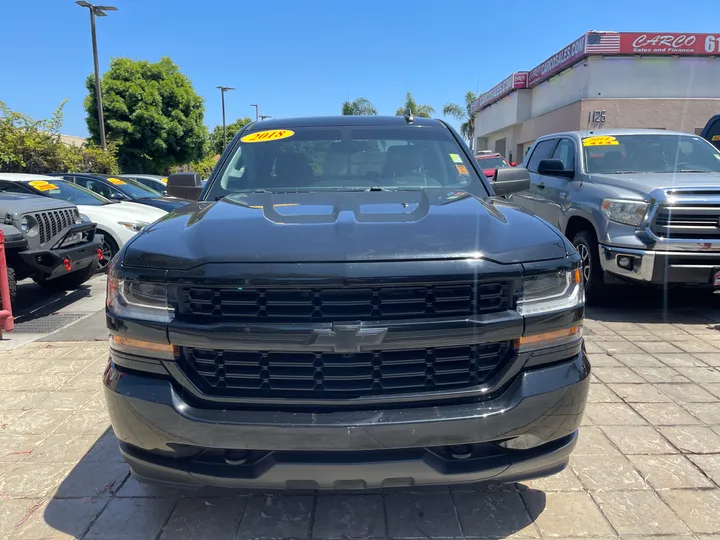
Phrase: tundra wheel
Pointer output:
(587, 248)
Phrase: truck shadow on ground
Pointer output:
(100, 499)
(35, 301)
(645, 305)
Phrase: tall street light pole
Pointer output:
(224, 89)
(97, 11)
(256, 110)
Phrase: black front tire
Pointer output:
(586, 245)
(72, 281)
(12, 284)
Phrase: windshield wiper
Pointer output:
(242, 191)
(692, 170)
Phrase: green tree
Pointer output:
(151, 111)
(35, 146)
(358, 107)
(423, 111)
(464, 114)
(216, 135)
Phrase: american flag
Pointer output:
(607, 42)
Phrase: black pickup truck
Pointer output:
(348, 305)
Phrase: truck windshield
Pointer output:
(493, 163)
(649, 153)
(347, 158)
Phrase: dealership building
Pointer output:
(604, 80)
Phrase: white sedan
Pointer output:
(117, 221)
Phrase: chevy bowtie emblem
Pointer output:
(347, 338)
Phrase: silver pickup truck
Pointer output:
(639, 205)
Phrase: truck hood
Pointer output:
(644, 183)
(20, 203)
(347, 226)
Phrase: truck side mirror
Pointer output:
(554, 167)
(508, 181)
(185, 185)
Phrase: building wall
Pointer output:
(642, 92)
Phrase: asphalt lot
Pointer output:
(647, 463)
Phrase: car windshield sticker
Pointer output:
(715, 138)
(163, 180)
(456, 158)
(462, 169)
(717, 156)
(42, 185)
(605, 140)
(116, 181)
(270, 135)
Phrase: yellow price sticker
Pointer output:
(456, 158)
(270, 135)
(715, 138)
(42, 185)
(117, 181)
(604, 140)
(163, 180)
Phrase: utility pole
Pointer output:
(98, 11)
(224, 89)
(256, 110)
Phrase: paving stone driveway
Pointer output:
(647, 463)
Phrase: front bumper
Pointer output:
(661, 267)
(167, 440)
(49, 262)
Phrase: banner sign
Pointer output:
(669, 43)
(557, 62)
(513, 82)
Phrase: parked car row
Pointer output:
(62, 228)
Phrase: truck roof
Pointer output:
(330, 121)
(631, 131)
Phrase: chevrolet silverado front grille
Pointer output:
(341, 376)
(53, 222)
(366, 303)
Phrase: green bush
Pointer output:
(34, 146)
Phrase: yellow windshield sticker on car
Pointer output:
(163, 180)
(42, 185)
(462, 169)
(604, 140)
(456, 158)
(715, 138)
(270, 135)
(117, 181)
(717, 156)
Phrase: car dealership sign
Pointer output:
(557, 62)
(513, 82)
(669, 43)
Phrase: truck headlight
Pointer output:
(555, 291)
(134, 226)
(135, 299)
(29, 226)
(626, 212)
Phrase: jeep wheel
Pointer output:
(587, 248)
(12, 283)
(72, 281)
(109, 248)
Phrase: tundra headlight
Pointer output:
(625, 212)
(554, 291)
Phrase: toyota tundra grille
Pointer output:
(341, 376)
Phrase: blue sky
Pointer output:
(305, 58)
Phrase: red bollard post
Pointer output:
(6, 318)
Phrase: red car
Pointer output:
(490, 162)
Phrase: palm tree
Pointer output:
(423, 111)
(359, 106)
(464, 114)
